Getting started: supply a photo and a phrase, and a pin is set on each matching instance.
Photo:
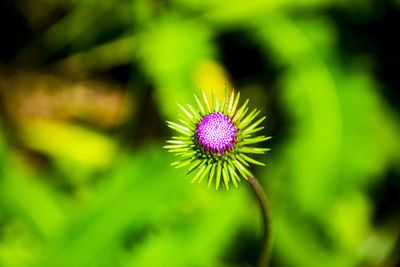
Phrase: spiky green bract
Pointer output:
(226, 167)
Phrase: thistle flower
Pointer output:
(215, 139)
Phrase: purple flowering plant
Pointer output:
(214, 141)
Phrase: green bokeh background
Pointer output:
(84, 180)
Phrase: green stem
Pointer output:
(267, 242)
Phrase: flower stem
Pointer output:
(267, 242)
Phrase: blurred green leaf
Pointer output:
(68, 141)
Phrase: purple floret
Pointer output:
(216, 133)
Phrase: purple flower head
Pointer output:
(216, 133)
(215, 138)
